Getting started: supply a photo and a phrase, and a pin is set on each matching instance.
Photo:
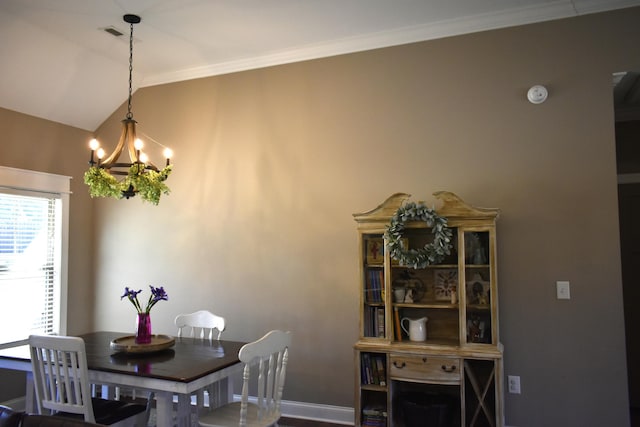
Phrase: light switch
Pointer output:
(514, 384)
(563, 290)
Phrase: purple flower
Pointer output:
(132, 296)
(157, 294)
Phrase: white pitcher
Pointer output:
(417, 328)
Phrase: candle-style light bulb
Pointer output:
(93, 144)
(143, 157)
(168, 153)
(100, 154)
(138, 144)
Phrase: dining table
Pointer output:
(181, 368)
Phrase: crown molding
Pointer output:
(412, 34)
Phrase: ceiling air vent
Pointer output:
(113, 31)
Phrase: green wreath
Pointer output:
(431, 253)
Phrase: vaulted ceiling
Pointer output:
(59, 63)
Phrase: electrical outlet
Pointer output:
(514, 384)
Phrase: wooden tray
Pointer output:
(128, 344)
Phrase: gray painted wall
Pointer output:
(271, 163)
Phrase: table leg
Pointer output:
(200, 400)
(224, 393)
(164, 409)
(183, 411)
(30, 397)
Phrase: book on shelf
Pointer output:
(374, 411)
(380, 370)
(374, 416)
(374, 325)
(375, 288)
(380, 322)
(396, 324)
(372, 369)
(367, 377)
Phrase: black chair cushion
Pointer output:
(108, 412)
(33, 420)
(10, 417)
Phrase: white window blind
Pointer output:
(29, 264)
(33, 254)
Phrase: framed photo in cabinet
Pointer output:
(375, 251)
(478, 329)
(374, 247)
(477, 291)
(445, 283)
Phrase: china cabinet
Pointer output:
(428, 351)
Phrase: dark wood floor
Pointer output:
(296, 422)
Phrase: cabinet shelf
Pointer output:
(373, 387)
(476, 307)
(435, 342)
(375, 304)
(461, 358)
(437, 305)
(429, 267)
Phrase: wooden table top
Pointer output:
(188, 360)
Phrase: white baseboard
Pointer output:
(290, 409)
(318, 412)
(307, 411)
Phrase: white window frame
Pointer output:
(60, 185)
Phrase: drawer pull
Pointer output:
(402, 365)
(424, 360)
(451, 368)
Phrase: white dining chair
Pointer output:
(61, 379)
(202, 324)
(269, 356)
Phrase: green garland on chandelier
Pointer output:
(149, 184)
(431, 253)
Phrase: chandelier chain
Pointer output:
(129, 114)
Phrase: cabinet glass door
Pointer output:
(478, 287)
(373, 287)
(425, 300)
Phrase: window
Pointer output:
(33, 254)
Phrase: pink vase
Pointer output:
(143, 328)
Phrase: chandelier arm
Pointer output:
(151, 166)
(128, 129)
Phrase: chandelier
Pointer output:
(139, 176)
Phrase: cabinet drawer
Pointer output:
(425, 369)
